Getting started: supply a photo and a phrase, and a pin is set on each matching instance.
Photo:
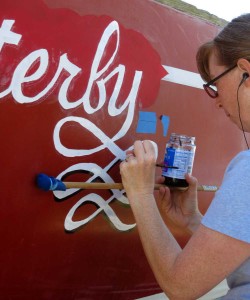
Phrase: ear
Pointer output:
(244, 66)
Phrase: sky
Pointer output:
(225, 9)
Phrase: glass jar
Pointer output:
(179, 155)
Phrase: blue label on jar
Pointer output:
(169, 157)
(180, 158)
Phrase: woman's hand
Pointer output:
(180, 207)
(138, 170)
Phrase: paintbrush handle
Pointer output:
(94, 185)
(119, 186)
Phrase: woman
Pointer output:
(220, 245)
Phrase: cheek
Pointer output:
(228, 96)
(225, 100)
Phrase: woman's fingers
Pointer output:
(160, 179)
(192, 182)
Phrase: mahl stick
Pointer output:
(49, 183)
(119, 186)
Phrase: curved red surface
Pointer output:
(61, 62)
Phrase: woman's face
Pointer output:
(227, 87)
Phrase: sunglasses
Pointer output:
(211, 91)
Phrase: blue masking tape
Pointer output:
(147, 122)
(165, 124)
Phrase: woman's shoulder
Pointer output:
(242, 155)
(242, 159)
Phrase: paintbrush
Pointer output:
(165, 166)
(49, 183)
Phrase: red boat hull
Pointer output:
(80, 81)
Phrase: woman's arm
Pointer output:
(208, 257)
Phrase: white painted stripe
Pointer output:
(183, 77)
